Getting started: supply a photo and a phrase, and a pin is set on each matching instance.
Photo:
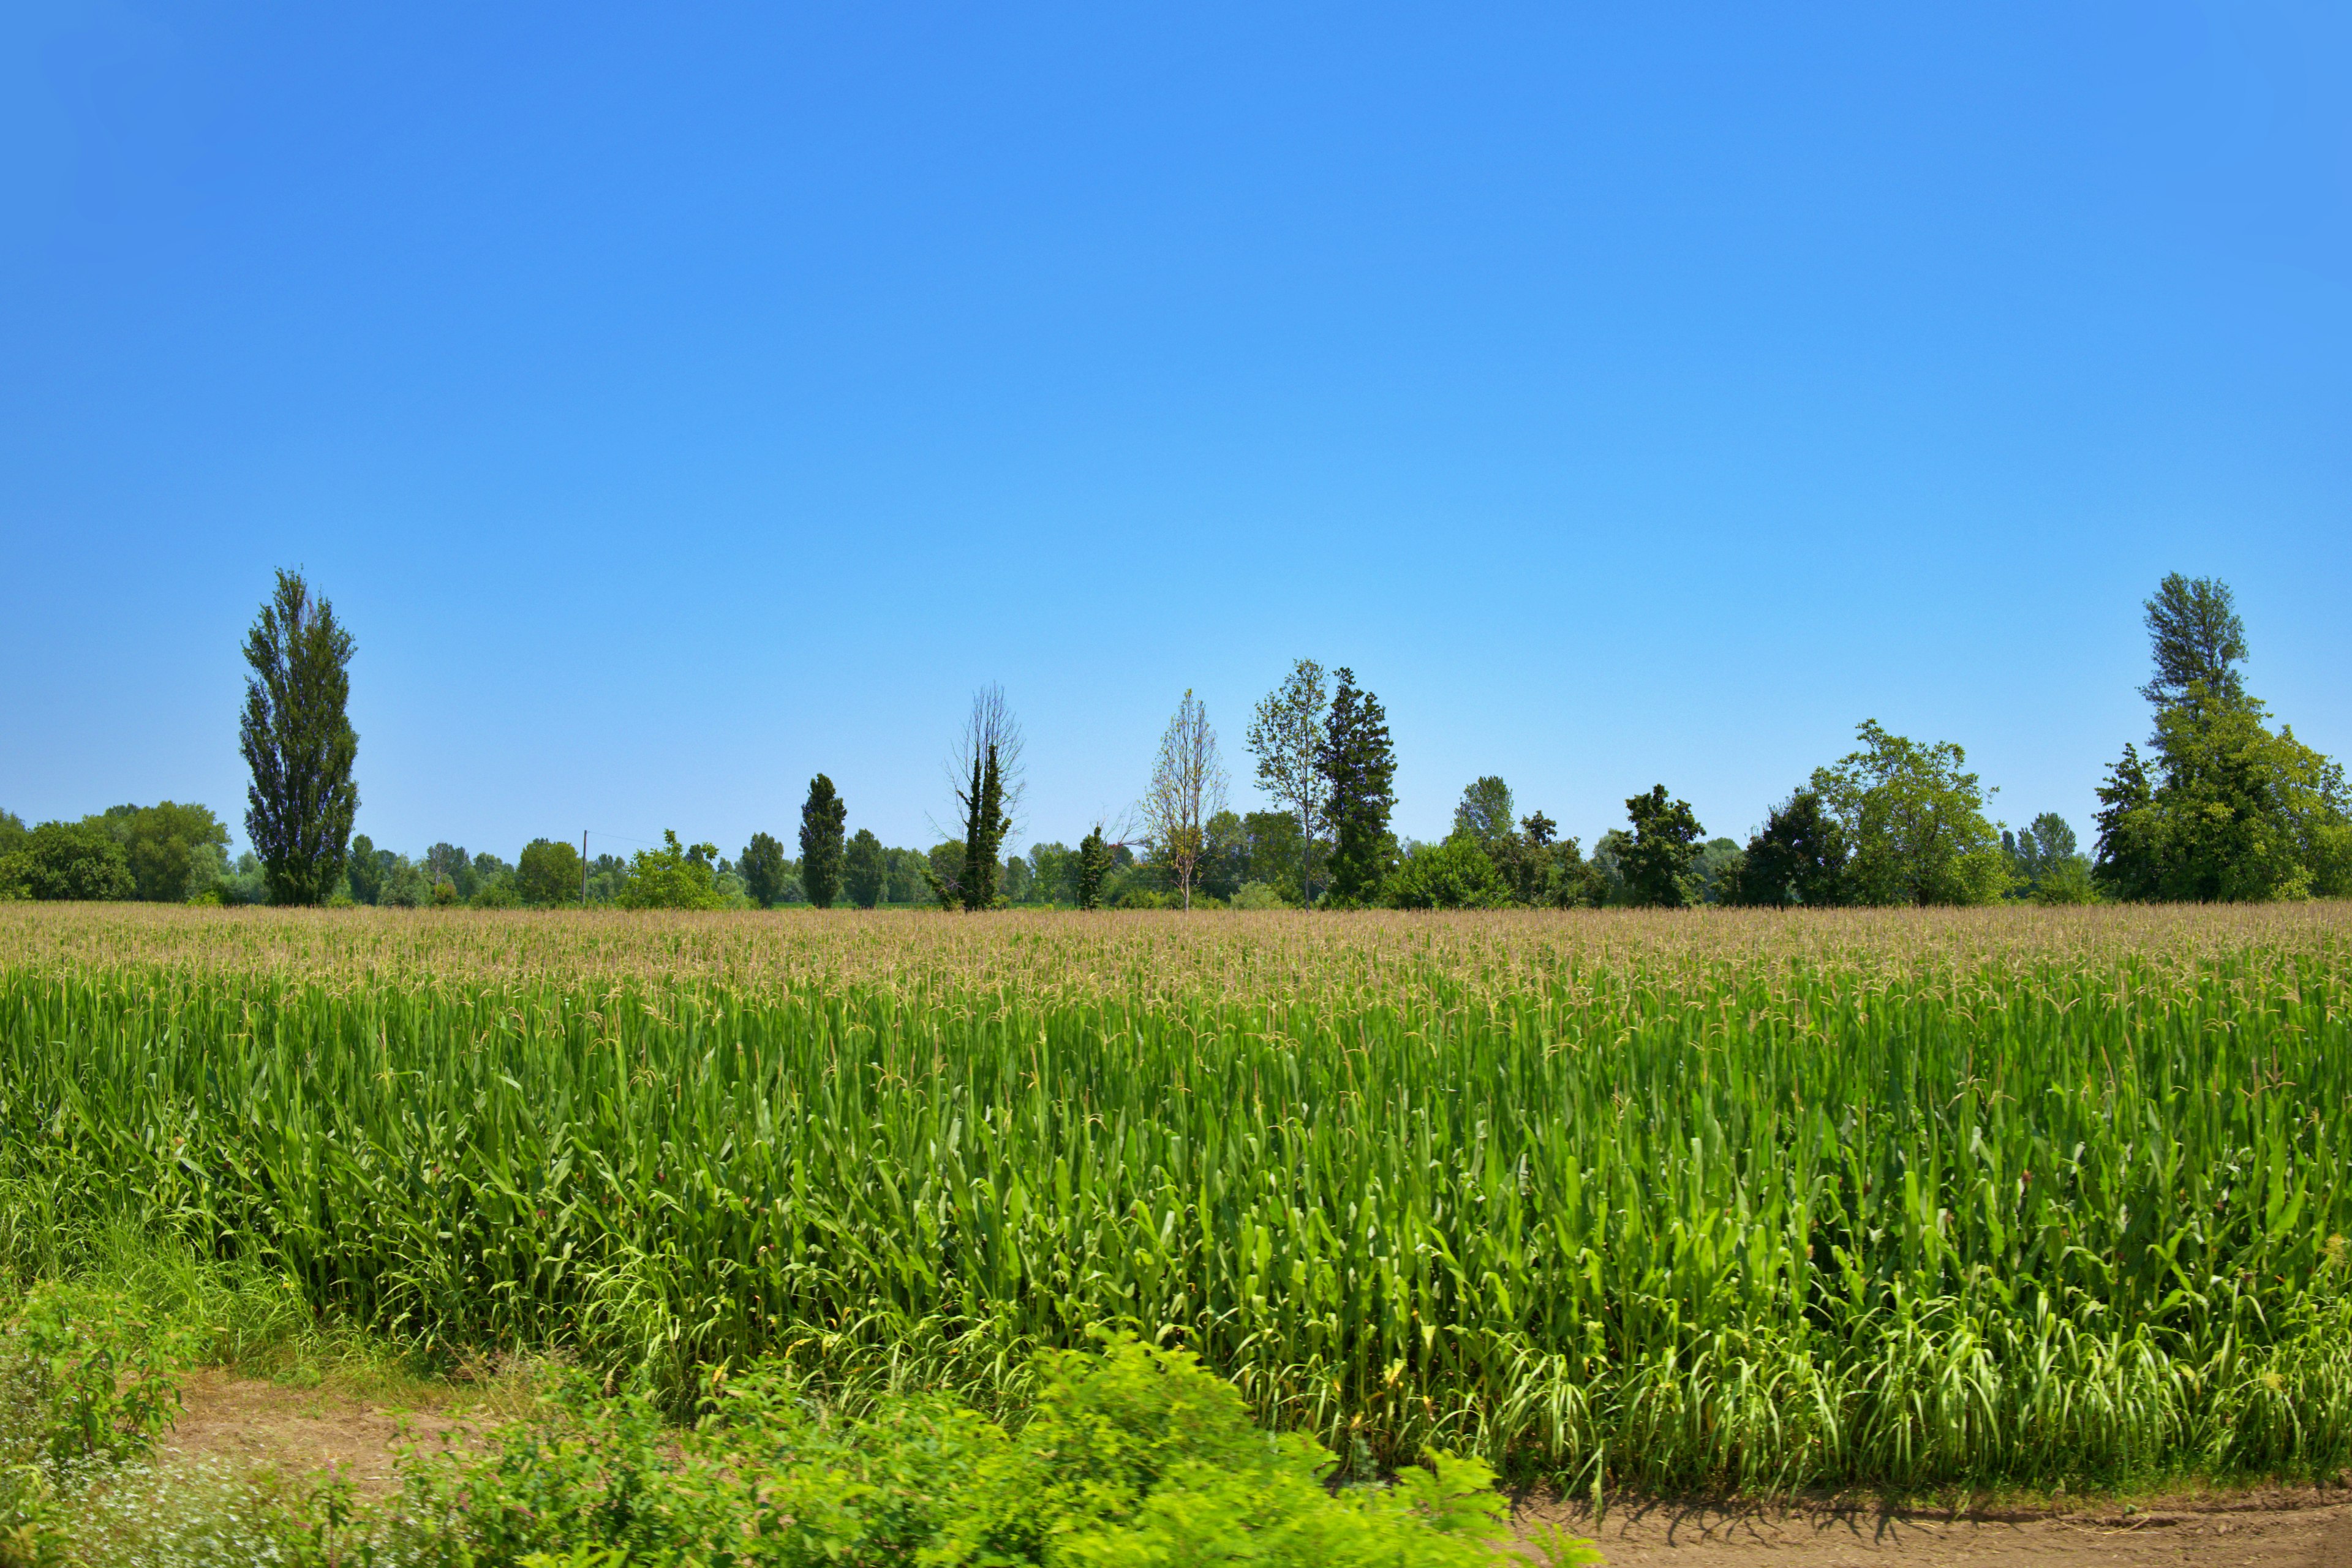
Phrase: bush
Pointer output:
(1454, 875)
(1137, 1455)
(68, 860)
(1257, 896)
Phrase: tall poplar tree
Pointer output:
(1359, 769)
(822, 817)
(300, 744)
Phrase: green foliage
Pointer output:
(1484, 811)
(1914, 822)
(1798, 858)
(1359, 767)
(1716, 871)
(1287, 736)
(82, 1377)
(822, 817)
(1093, 868)
(298, 743)
(1657, 861)
(764, 871)
(2044, 865)
(68, 860)
(547, 874)
(1256, 896)
(2234, 812)
(1456, 875)
(673, 876)
(1135, 1456)
(13, 831)
(166, 846)
(2196, 638)
(865, 870)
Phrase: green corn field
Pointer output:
(1709, 1199)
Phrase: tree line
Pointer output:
(2220, 806)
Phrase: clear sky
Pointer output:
(676, 401)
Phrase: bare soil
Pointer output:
(251, 1424)
(2268, 1528)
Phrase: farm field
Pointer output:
(2001, 1197)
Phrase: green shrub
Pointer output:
(1134, 1456)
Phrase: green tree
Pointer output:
(13, 831)
(1656, 861)
(1359, 766)
(450, 863)
(1486, 812)
(1286, 735)
(165, 846)
(2234, 812)
(864, 869)
(1094, 868)
(1716, 871)
(1914, 819)
(673, 876)
(2196, 636)
(300, 744)
(821, 815)
(58, 860)
(547, 874)
(362, 871)
(1798, 858)
(1456, 875)
(764, 870)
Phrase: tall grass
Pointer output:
(1905, 1199)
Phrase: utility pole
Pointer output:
(583, 867)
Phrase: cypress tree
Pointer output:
(821, 822)
(299, 743)
(986, 826)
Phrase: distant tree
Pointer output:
(1359, 766)
(1715, 872)
(1187, 788)
(164, 845)
(59, 860)
(363, 872)
(547, 874)
(1286, 737)
(1053, 872)
(450, 863)
(2195, 635)
(821, 815)
(1798, 858)
(1094, 868)
(2234, 812)
(943, 871)
(673, 876)
(2043, 848)
(764, 871)
(298, 743)
(13, 831)
(1456, 875)
(1914, 819)
(1544, 870)
(1484, 812)
(1657, 859)
(1224, 857)
(865, 868)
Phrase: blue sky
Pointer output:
(678, 401)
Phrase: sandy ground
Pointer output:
(249, 1423)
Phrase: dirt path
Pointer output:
(252, 1424)
(2278, 1529)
